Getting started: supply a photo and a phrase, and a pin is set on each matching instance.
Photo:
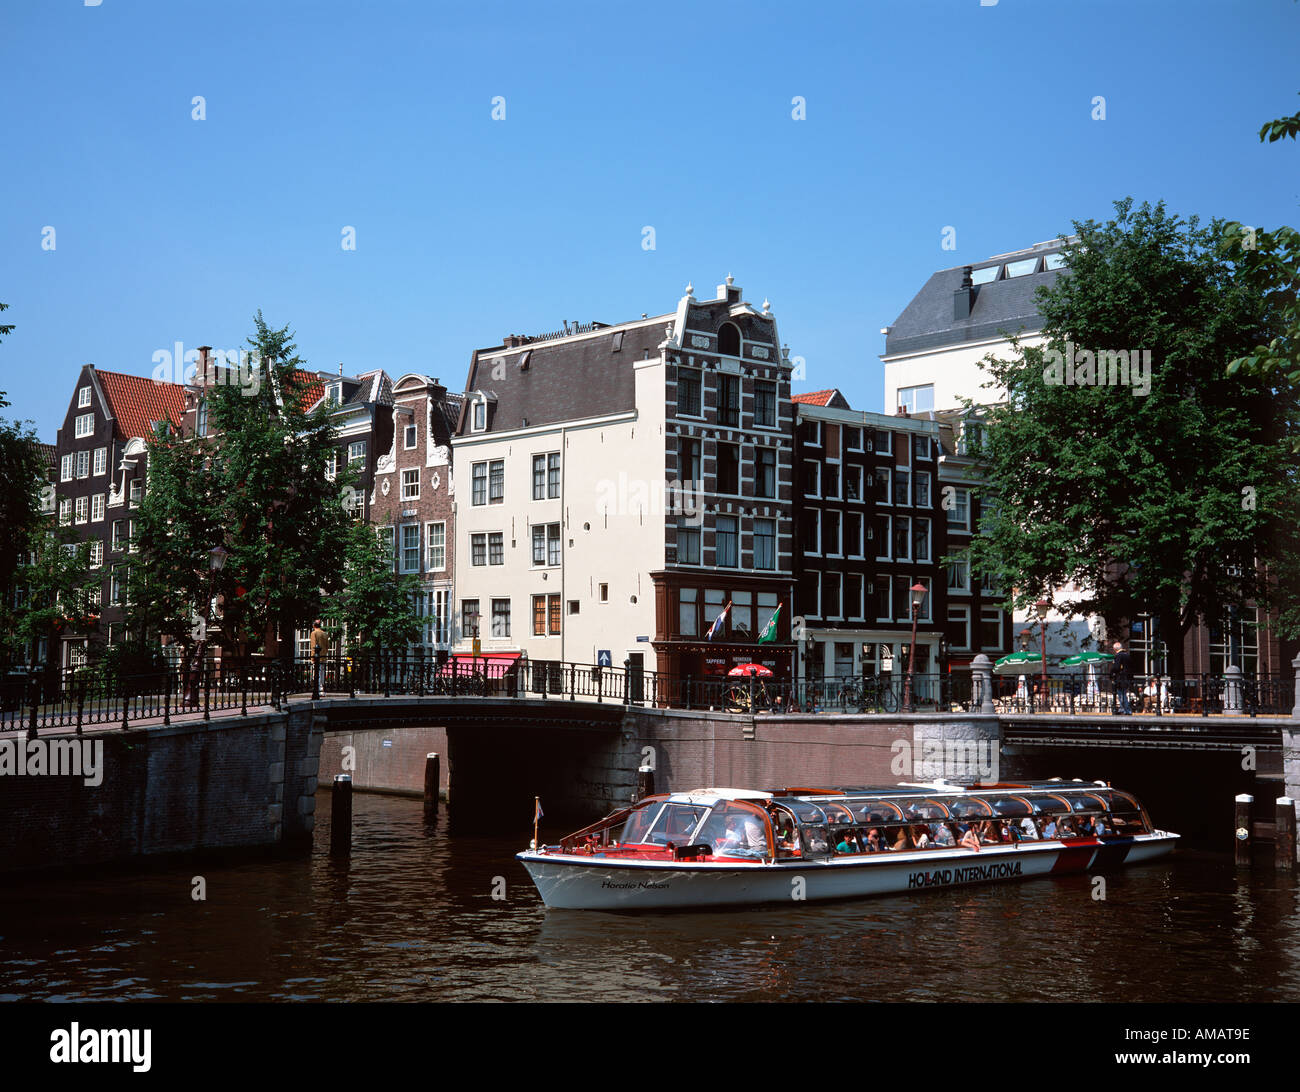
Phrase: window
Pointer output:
(884, 487)
(83, 464)
(334, 393)
(811, 478)
(883, 537)
(411, 548)
(923, 491)
(688, 392)
(989, 584)
(726, 555)
(137, 492)
(437, 556)
(958, 509)
(729, 469)
(117, 587)
(496, 481)
(65, 510)
(356, 452)
(480, 477)
(604, 593)
(853, 597)
(539, 616)
(923, 614)
(831, 595)
(574, 606)
(813, 433)
(688, 545)
(553, 544)
(688, 612)
(831, 480)
(480, 416)
(916, 399)
(831, 533)
(388, 539)
(101, 460)
(714, 599)
(852, 534)
(902, 487)
(765, 472)
(884, 608)
(767, 604)
(902, 538)
(729, 399)
(410, 485)
(539, 477)
(972, 438)
(959, 576)
(553, 614)
(852, 438)
(65, 468)
(331, 466)
(96, 553)
(920, 539)
(539, 544)
(408, 436)
(85, 425)
(990, 627)
(742, 615)
(83, 398)
(469, 617)
(884, 442)
(553, 474)
(920, 447)
(436, 621)
(765, 404)
(853, 483)
(500, 617)
(97, 507)
(812, 531)
(958, 628)
(478, 549)
(764, 544)
(729, 339)
(201, 418)
(689, 462)
(496, 548)
(83, 509)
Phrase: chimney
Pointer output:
(964, 297)
(203, 375)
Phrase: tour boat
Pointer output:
(739, 847)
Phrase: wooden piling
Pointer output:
(1284, 839)
(341, 812)
(645, 782)
(1242, 838)
(431, 779)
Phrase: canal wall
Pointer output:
(390, 760)
(233, 783)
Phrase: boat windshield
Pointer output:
(662, 823)
(638, 824)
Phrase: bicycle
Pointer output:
(880, 696)
(738, 700)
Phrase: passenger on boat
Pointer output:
(921, 836)
(1066, 829)
(1028, 829)
(1049, 830)
(744, 838)
(902, 841)
(942, 834)
(1100, 827)
(874, 843)
(970, 840)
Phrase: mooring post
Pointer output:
(1284, 839)
(431, 780)
(982, 684)
(1232, 691)
(341, 812)
(645, 782)
(1242, 844)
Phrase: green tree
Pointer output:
(1269, 262)
(22, 473)
(55, 592)
(376, 605)
(256, 486)
(1158, 503)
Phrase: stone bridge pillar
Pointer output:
(982, 685)
(1232, 691)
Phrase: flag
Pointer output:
(537, 808)
(717, 622)
(769, 631)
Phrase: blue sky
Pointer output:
(319, 116)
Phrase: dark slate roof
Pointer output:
(566, 379)
(1006, 304)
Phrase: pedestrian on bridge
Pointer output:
(320, 648)
(1121, 678)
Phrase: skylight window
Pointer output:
(984, 276)
(1022, 268)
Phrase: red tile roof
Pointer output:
(815, 398)
(136, 402)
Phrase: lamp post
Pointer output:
(918, 591)
(1042, 607)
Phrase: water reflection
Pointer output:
(411, 916)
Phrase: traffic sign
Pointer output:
(478, 647)
(603, 658)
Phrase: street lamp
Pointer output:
(1042, 607)
(1024, 640)
(918, 591)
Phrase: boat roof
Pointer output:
(712, 796)
(939, 787)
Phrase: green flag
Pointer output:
(769, 631)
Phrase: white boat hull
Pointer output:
(581, 882)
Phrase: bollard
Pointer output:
(1242, 846)
(431, 780)
(1284, 839)
(645, 782)
(341, 821)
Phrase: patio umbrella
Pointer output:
(1080, 658)
(758, 669)
(1019, 663)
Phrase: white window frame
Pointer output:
(96, 553)
(101, 461)
(410, 436)
(963, 616)
(66, 466)
(435, 550)
(83, 398)
(98, 505)
(886, 540)
(65, 511)
(84, 425)
(82, 510)
(407, 567)
(83, 464)
(356, 456)
(410, 488)
(959, 571)
(961, 503)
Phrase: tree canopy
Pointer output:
(22, 472)
(1156, 495)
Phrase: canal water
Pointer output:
(412, 917)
